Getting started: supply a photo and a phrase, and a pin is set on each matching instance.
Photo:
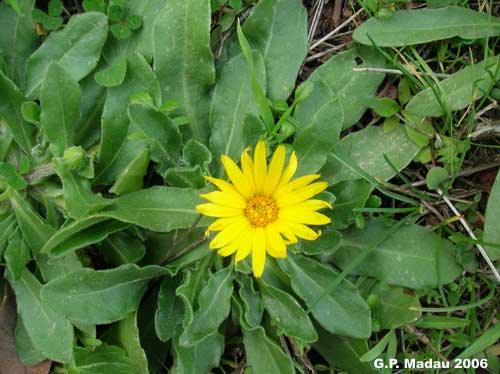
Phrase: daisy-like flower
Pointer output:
(263, 210)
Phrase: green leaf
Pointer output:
(408, 27)
(278, 29)
(196, 153)
(81, 233)
(457, 91)
(335, 81)
(169, 312)
(384, 106)
(184, 61)
(113, 75)
(132, 177)
(87, 295)
(50, 333)
(326, 244)
(122, 248)
(7, 226)
(10, 111)
(251, 301)
(104, 359)
(492, 223)
(159, 129)
(24, 346)
(343, 352)
(441, 323)
(133, 22)
(486, 340)
(363, 149)
(19, 41)
(120, 31)
(395, 307)
(125, 335)
(115, 122)
(232, 102)
(17, 255)
(198, 359)
(185, 176)
(314, 141)
(287, 314)
(378, 349)
(158, 208)
(342, 311)
(435, 176)
(60, 97)
(31, 112)
(264, 355)
(214, 306)
(94, 6)
(79, 199)
(76, 48)
(55, 7)
(407, 258)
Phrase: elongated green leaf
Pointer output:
(7, 226)
(169, 312)
(104, 359)
(158, 208)
(343, 352)
(335, 81)
(200, 358)
(122, 248)
(363, 149)
(264, 355)
(10, 111)
(251, 301)
(184, 61)
(486, 340)
(214, 305)
(115, 121)
(125, 335)
(407, 258)
(378, 349)
(132, 177)
(101, 296)
(492, 224)
(288, 315)
(24, 346)
(60, 97)
(232, 102)
(19, 41)
(442, 323)
(278, 29)
(407, 27)
(342, 311)
(160, 129)
(17, 255)
(76, 48)
(50, 332)
(395, 307)
(457, 91)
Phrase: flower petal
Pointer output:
(305, 216)
(298, 183)
(232, 200)
(229, 234)
(247, 168)
(227, 250)
(275, 244)
(244, 244)
(282, 227)
(259, 166)
(275, 170)
(258, 252)
(300, 195)
(216, 210)
(236, 176)
(288, 173)
(303, 232)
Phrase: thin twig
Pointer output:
(184, 250)
(336, 30)
(424, 339)
(471, 234)
(314, 23)
(323, 53)
(398, 72)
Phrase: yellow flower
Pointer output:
(263, 209)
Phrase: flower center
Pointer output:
(261, 211)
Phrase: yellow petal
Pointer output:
(215, 210)
(314, 204)
(229, 234)
(233, 200)
(247, 168)
(227, 250)
(288, 173)
(303, 232)
(222, 223)
(244, 244)
(275, 244)
(298, 183)
(304, 216)
(300, 195)
(258, 252)
(259, 166)
(236, 176)
(282, 227)
(275, 170)
(222, 185)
